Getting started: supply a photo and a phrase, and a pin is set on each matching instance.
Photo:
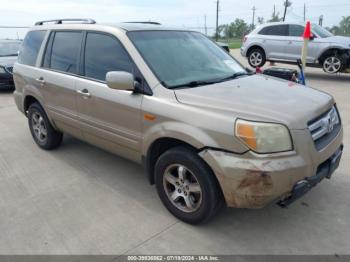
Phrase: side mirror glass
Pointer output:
(120, 80)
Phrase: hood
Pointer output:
(260, 98)
(8, 60)
(342, 40)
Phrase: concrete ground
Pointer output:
(82, 200)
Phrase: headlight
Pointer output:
(2, 70)
(264, 137)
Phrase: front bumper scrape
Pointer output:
(324, 170)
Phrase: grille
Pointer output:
(325, 128)
(9, 69)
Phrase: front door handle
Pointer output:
(40, 80)
(84, 92)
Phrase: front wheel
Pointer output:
(333, 64)
(187, 186)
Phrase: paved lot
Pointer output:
(82, 200)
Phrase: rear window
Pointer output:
(30, 48)
(276, 30)
(62, 52)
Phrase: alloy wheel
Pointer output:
(39, 127)
(182, 188)
(255, 58)
(332, 65)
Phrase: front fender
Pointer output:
(180, 131)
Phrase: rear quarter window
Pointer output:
(30, 48)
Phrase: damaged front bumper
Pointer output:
(325, 170)
(251, 180)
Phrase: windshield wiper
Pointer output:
(9, 55)
(210, 82)
(233, 76)
(193, 84)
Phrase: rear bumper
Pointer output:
(243, 52)
(253, 181)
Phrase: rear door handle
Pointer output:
(40, 80)
(290, 42)
(84, 92)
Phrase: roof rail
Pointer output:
(60, 21)
(144, 22)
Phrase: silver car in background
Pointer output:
(282, 42)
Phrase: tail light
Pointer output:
(244, 39)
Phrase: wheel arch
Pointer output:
(255, 46)
(156, 149)
(334, 50)
(161, 138)
(29, 100)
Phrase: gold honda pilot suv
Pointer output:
(207, 131)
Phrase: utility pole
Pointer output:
(304, 12)
(320, 21)
(286, 5)
(205, 25)
(253, 22)
(217, 20)
(274, 10)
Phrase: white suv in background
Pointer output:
(282, 42)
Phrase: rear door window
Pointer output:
(62, 52)
(104, 53)
(275, 30)
(30, 48)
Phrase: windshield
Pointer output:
(320, 31)
(179, 57)
(9, 48)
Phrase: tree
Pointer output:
(344, 26)
(239, 28)
(334, 30)
(261, 20)
(236, 29)
(275, 17)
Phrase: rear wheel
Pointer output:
(333, 64)
(187, 186)
(41, 129)
(256, 58)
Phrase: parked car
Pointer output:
(283, 42)
(8, 56)
(207, 132)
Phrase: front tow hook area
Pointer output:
(324, 170)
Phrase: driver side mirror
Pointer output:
(120, 80)
(312, 37)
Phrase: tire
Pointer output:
(43, 133)
(198, 186)
(256, 57)
(333, 64)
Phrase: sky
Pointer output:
(180, 13)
